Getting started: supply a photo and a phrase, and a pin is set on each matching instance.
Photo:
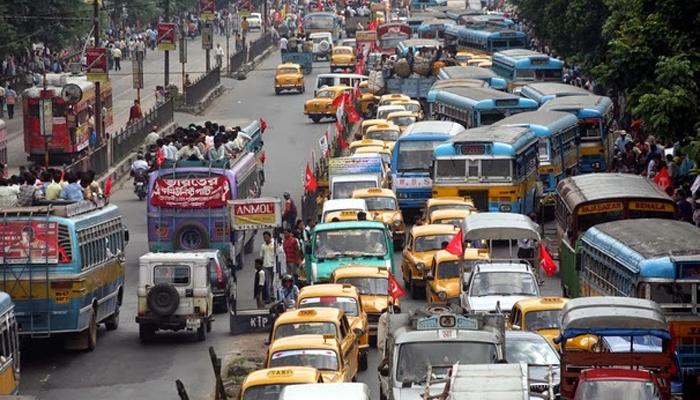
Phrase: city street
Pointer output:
(121, 367)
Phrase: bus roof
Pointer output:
(520, 54)
(574, 103)
(576, 190)
(433, 128)
(59, 208)
(466, 72)
(552, 120)
(556, 89)
(500, 226)
(458, 82)
(5, 303)
(650, 238)
(481, 93)
(490, 133)
(335, 226)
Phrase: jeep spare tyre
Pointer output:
(324, 46)
(163, 300)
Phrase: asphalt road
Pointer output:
(121, 367)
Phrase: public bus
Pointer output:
(542, 92)
(595, 114)
(557, 150)
(63, 265)
(467, 72)
(496, 166)
(412, 160)
(322, 22)
(70, 136)
(9, 362)
(587, 200)
(522, 66)
(389, 36)
(3, 142)
(488, 40)
(433, 28)
(655, 259)
(474, 107)
(187, 208)
(450, 83)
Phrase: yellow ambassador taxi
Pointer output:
(387, 133)
(382, 206)
(389, 98)
(443, 281)
(368, 123)
(289, 77)
(410, 105)
(448, 216)
(268, 383)
(365, 143)
(402, 119)
(541, 315)
(368, 101)
(343, 297)
(322, 105)
(372, 282)
(421, 245)
(322, 352)
(316, 321)
(442, 203)
(343, 58)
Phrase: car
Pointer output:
(421, 245)
(174, 293)
(449, 216)
(441, 203)
(322, 352)
(223, 280)
(322, 45)
(410, 105)
(617, 383)
(368, 101)
(368, 123)
(268, 383)
(402, 119)
(387, 133)
(289, 77)
(388, 98)
(494, 287)
(322, 105)
(342, 209)
(384, 207)
(541, 357)
(343, 58)
(384, 111)
(254, 21)
(365, 143)
(444, 278)
(347, 298)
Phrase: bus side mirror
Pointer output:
(384, 370)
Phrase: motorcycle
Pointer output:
(140, 179)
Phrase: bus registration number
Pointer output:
(444, 334)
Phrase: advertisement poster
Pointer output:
(207, 9)
(191, 193)
(256, 213)
(33, 242)
(96, 59)
(354, 165)
(167, 36)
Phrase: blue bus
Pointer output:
(457, 15)
(650, 258)
(557, 151)
(466, 72)
(416, 44)
(483, 20)
(594, 115)
(488, 40)
(494, 165)
(521, 66)
(542, 92)
(63, 265)
(473, 107)
(412, 159)
(9, 362)
(422, 4)
(433, 28)
(450, 83)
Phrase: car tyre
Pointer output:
(362, 362)
(146, 333)
(277, 91)
(112, 322)
(416, 291)
(163, 300)
(316, 118)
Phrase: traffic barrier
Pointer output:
(198, 90)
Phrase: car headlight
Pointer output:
(505, 208)
(420, 266)
(442, 296)
(397, 223)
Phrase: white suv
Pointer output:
(174, 293)
(496, 286)
(323, 44)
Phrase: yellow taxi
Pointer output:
(344, 297)
(448, 216)
(322, 105)
(343, 58)
(441, 203)
(443, 281)
(387, 133)
(389, 98)
(411, 105)
(368, 101)
(541, 315)
(365, 143)
(402, 119)
(372, 282)
(340, 216)
(322, 352)
(382, 206)
(315, 321)
(421, 245)
(268, 383)
(462, 57)
(289, 77)
(368, 123)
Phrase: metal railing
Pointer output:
(197, 90)
(97, 160)
(257, 47)
(238, 60)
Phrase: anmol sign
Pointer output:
(255, 213)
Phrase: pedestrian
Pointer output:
(283, 44)
(219, 55)
(292, 254)
(685, 209)
(135, 113)
(267, 255)
(117, 56)
(288, 292)
(8, 194)
(289, 216)
(27, 190)
(259, 284)
(10, 99)
(152, 137)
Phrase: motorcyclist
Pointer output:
(288, 292)
(139, 165)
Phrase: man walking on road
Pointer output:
(11, 99)
(135, 113)
(117, 56)
(219, 55)
(293, 254)
(289, 216)
(259, 292)
(267, 254)
(2, 101)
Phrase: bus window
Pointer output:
(588, 220)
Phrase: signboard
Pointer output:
(255, 213)
(207, 42)
(183, 50)
(413, 182)
(137, 72)
(191, 193)
(354, 165)
(166, 36)
(207, 9)
(96, 59)
(46, 117)
(650, 206)
(366, 36)
(600, 208)
(29, 241)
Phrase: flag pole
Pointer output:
(461, 259)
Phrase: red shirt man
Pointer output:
(291, 250)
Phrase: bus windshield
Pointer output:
(589, 130)
(414, 358)
(351, 243)
(416, 155)
(489, 117)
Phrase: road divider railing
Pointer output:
(199, 89)
(253, 49)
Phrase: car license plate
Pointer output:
(447, 334)
(193, 324)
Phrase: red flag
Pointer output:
(456, 245)
(341, 140)
(160, 158)
(546, 262)
(310, 185)
(108, 186)
(395, 290)
(263, 125)
(662, 179)
(339, 100)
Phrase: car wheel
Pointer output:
(92, 331)
(163, 300)
(208, 326)
(303, 89)
(191, 237)
(112, 322)
(316, 118)
(277, 91)
(416, 291)
(202, 332)
(146, 333)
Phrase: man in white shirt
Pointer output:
(283, 44)
(267, 254)
(219, 55)
(152, 137)
(188, 152)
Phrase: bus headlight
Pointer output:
(442, 296)
(505, 208)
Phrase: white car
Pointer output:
(498, 286)
(254, 21)
(323, 45)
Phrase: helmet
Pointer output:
(287, 278)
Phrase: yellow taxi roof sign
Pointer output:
(328, 337)
(348, 213)
(280, 372)
(346, 286)
(551, 300)
(307, 313)
(374, 190)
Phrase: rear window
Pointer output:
(171, 275)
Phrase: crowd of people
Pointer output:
(34, 185)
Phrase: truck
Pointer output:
(414, 87)
(428, 342)
(356, 23)
(361, 171)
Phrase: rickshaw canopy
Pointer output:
(500, 226)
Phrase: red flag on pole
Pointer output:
(662, 179)
(341, 140)
(353, 116)
(160, 158)
(456, 245)
(395, 290)
(108, 187)
(546, 262)
(310, 185)
(263, 125)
